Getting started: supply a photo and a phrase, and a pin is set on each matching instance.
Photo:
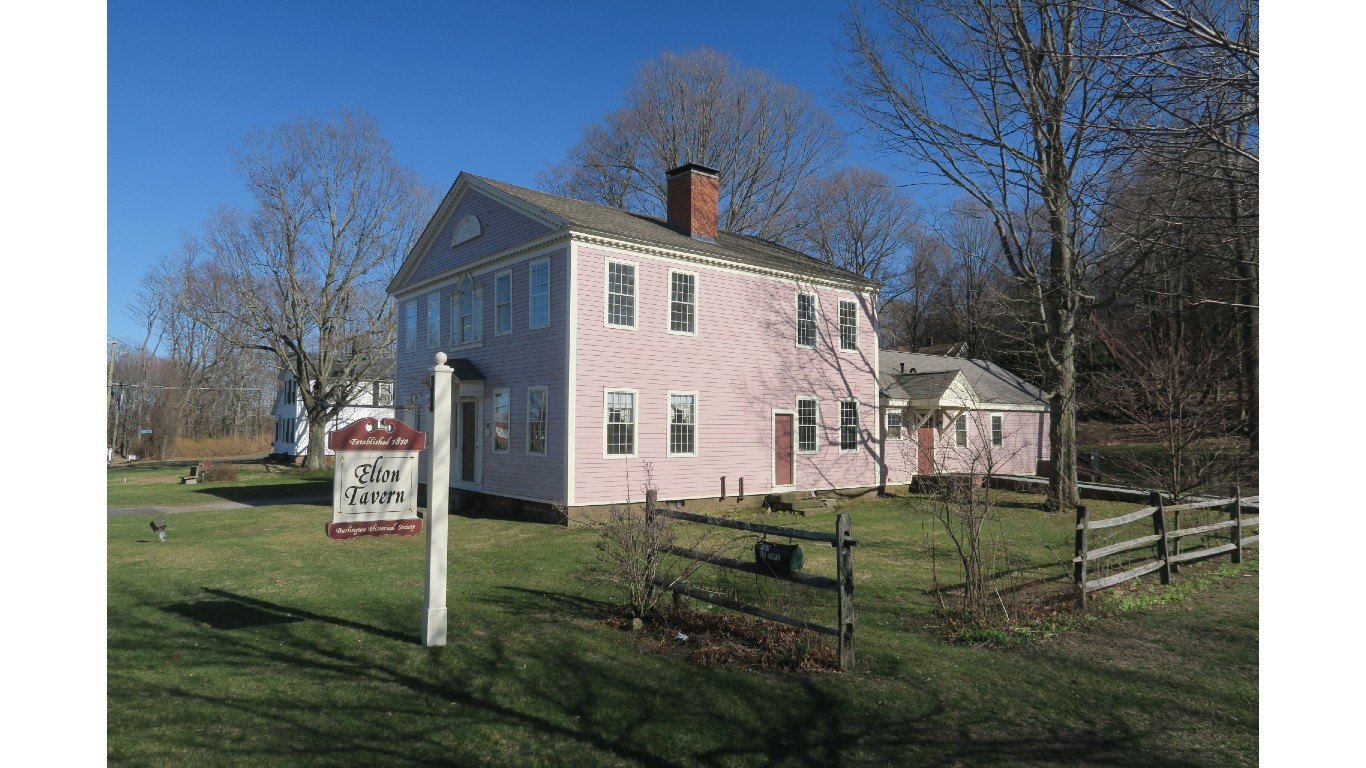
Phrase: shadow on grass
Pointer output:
(530, 691)
(286, 614)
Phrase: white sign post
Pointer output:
(438, 501)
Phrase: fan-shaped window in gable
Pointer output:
(467, 229)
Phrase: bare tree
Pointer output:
(302, 274)
(765, 137)
(858, 220)
(1011, 102)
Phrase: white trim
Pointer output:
(607, 293)
(887, 414)
(797, 319)
(858, 419)
(839, 319)
(531, 293)
(545, 413)
(991, 424)
(496, 276)
(967, 436)
(668, 423)
(571, 280)
(797, 424)
(493, 419)
(635, 422)
(774, 413)
(716, 262)
(537, 248)
(669, 303)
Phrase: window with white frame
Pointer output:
(468, 300)
(434, 321)
(410, 327)
(621, 294)
(682, 423)
(502, 421)
(894, 424)
(848, 425)
(960, 430)
(539, 289)
(998, 436)
(682, 302)
(621, 423)
(806, 425)
(806, 320)
(502, 303)
(848, 325)
(536, 398)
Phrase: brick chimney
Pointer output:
(694, 199)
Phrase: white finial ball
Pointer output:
(440, 358)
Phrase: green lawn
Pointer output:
(159, 484)
(250, 638)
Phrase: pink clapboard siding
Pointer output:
(526, 357)
(743, 363)
(1024, 442)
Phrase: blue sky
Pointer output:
(499, 89)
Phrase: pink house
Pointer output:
(592, 346)
(954, 414)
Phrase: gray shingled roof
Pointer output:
(917, 386)
(730, 246)
(991, 382)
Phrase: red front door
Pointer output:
(925, 449)
(782, 449)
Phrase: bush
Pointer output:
(217, 473)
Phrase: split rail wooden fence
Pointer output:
(1167, 543)
(842, 585)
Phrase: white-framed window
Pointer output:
(848, 425)
(467, 304)
(619, 423)
(291, 394)
(998, 434)
(502, 303)
(682, 424)
(682, 302)
(848, 325)
(539, 290)
(621, 294)
(960, 431)
(806, 319)
(536, 399)
(434, 321)
(502, 420)
(806, 425)
(894, 424)
(410, 327)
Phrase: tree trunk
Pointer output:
(317, 443)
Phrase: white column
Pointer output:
(438, 504)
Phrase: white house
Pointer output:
(372, 398)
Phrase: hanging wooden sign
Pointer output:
(374, 487)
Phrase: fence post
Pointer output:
(1079, 565)
(1160, 528)
(1237, 524)
(651, 543)
(844, 558)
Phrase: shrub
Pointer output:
(217, 473)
